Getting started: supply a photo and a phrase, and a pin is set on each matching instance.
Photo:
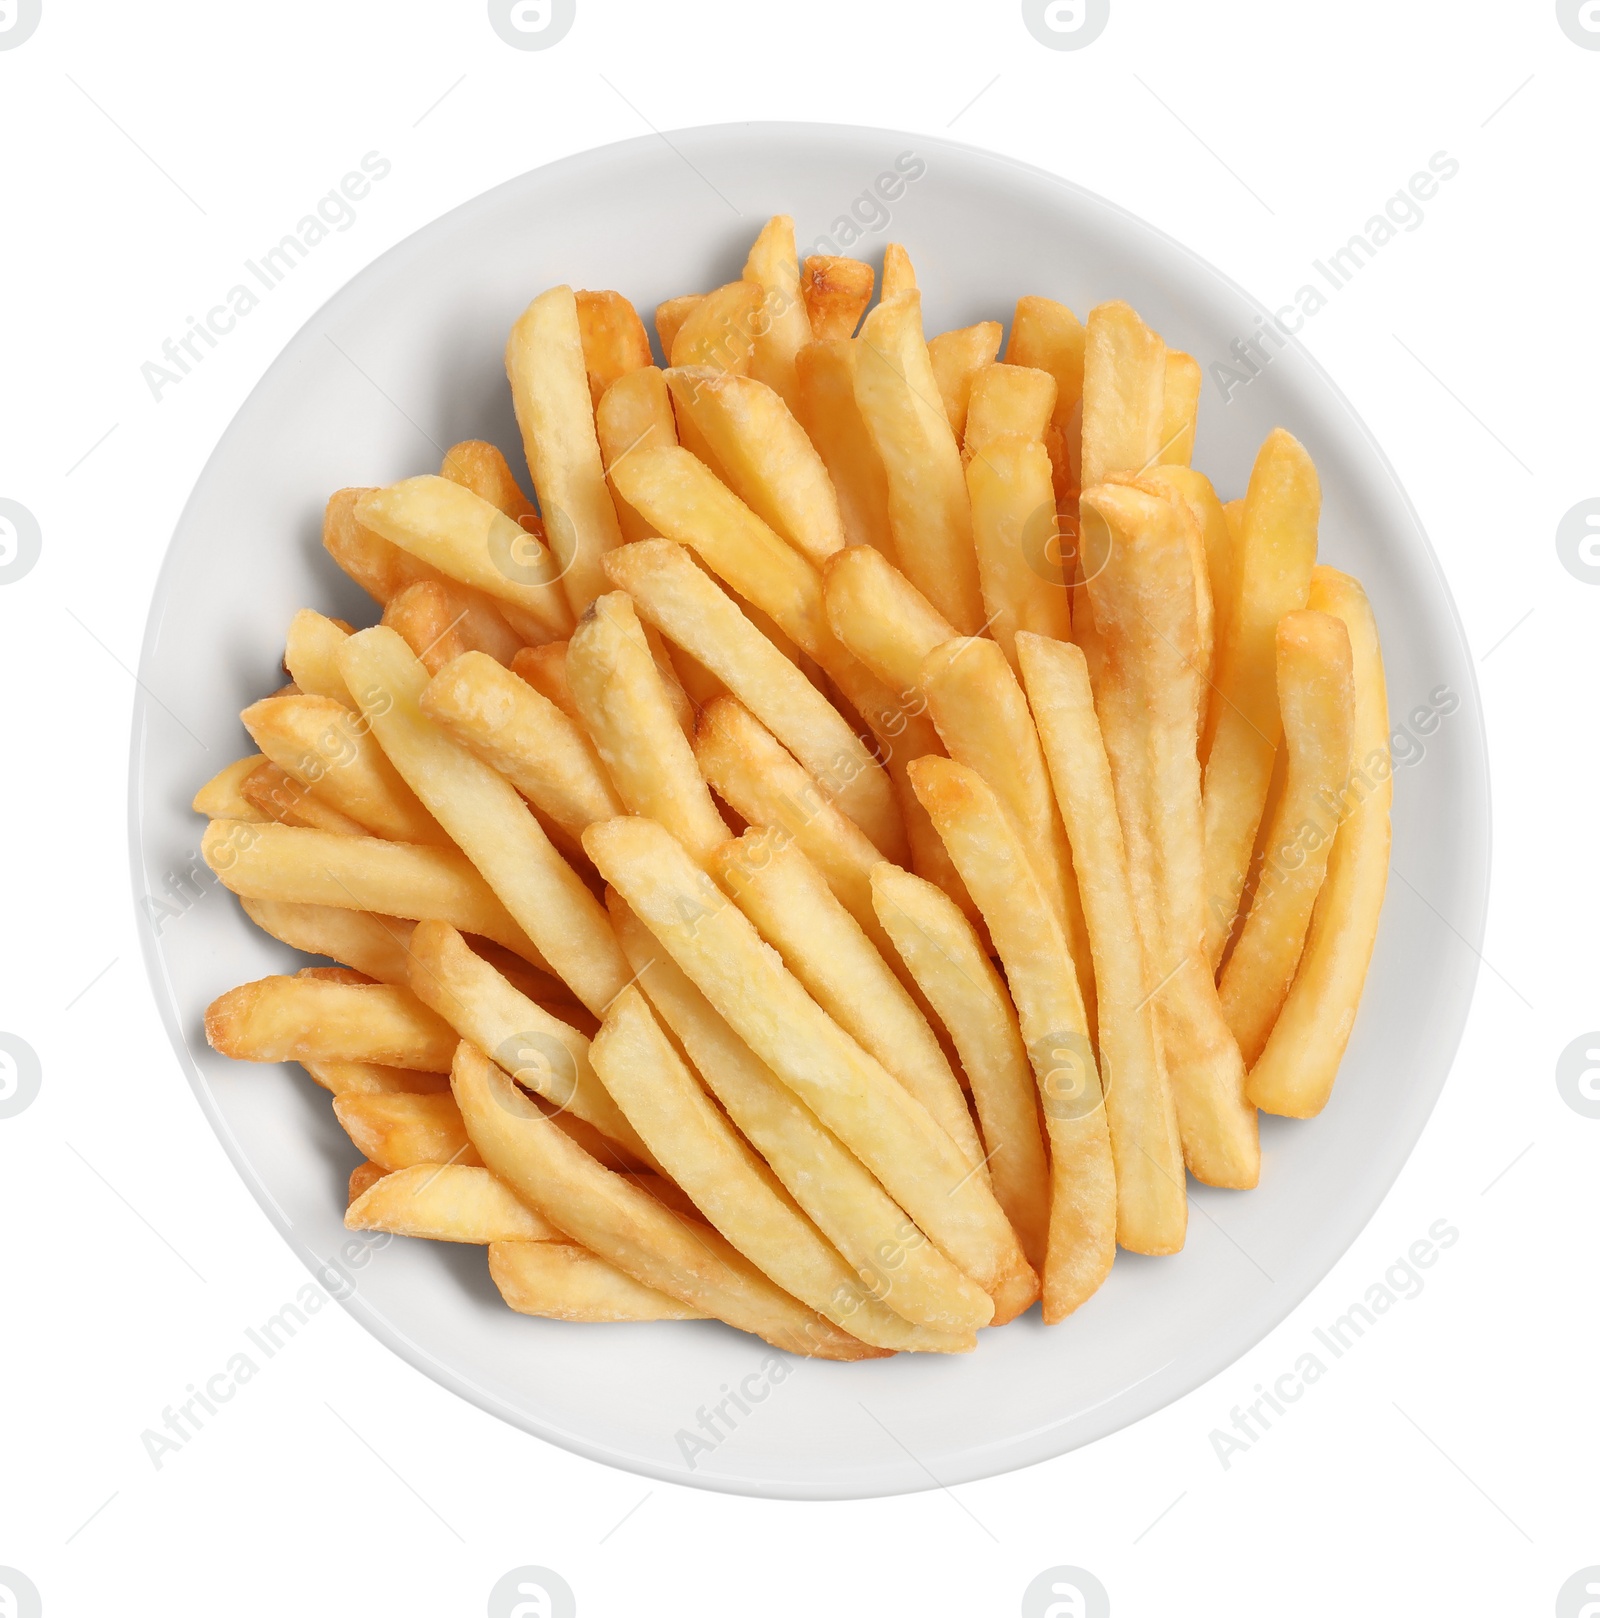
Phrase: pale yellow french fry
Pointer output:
(1194, 488)
(362, 1178)
(441, 621)
(836, 292)
(481, 467)
(892, 1258)
(399, 1131)
(1149, 704)
(418, 882)
(905, 418)
(1124, 385)
(677, 596)
(312, 655)
(373, 945)
(521, 734)
(447, 1202)
(782, 892)
(372, 1078)
(982, 716)
(898, 274)
(621, 1224)
(1152, 1209)
(1047, 336)
(1009, 400)
(630, 720)
(1271, 575)
(281, 1019)
(670, 317)
(785, 326)
(1180, 406)
(720, 330)
(486, 818)
(635, 412)
(473, 542)
(1015, 533)
(915, 1160)
(881, 617)
(1317, 699)
(559, 1281)
(943, 952)
(222, 797)
(957, 357)
(731, 1186)
(275, 795)
(1294, 1074)
(1044, 986)
(381, 569)
(550, 392)
(613, 338)
(827, 409)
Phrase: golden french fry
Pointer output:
(782, 892)
(1152, 1211)
(482, 468)
(281, 1019)
(1008, 400)
(621, 1224)
(413, 880)
(635, 412)
(881, 617)
(439, 622)
(1294, 1074)
(1124, 385)
(545, 669)
(373, 1078)
(373, 945)
(525, 737)
(486, 818)
(957, 357)
(550, 391)
(362, 1178)
(277, 796)
(1317, 699)
(447, 1202)
(312, 655)
(785, 327)
(1047, 336)
(905, 418)
(836, 292)
(1044, 985)
(398, 1131)
(826, 407)
(1233, 511)
(731, 1186)
(1149, 702)
(222, 797)
(1271, 575)
(916, 1161)
(1180, 407)
(943, 952)
(898, 275)
(1194, 489)
(381, 569)
(613, 338)
(1015, 533)
(561, 1282)
(892, 1259)
(670, 316)
(720, 330)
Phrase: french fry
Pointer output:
(440, 622)
(545, 669)
(881, 617)
(482, 468)
(1124, 385)
(362, 1178)
(675, 595)
(982, 716)
(732, 1187)
(486, 818)
(522, 735)
(1317, 699)
(381, 569)
(619, 1223)
(765, 456)
(373, 1078)
(1194, 489)
(1014, 528)
(613, 338)
(447, 1202)
(629, 718)
(1180, 406)
(898, 274)
(670, 317)
(312, 655)
(413, 880)
(222, 797)
(826, 407)
(836, 292)
(720, 330)
(635, 412)
(1271, 575)
(1009, 400)
(550, 392)
(278, 796)
(905, 418)
(786, 897)
(784, 327)
(915, 1160)
(1149, 706)
(398, 1131)
(1044, 985)
(373, 945)
(1047, 336)
(956, 357)
(281, 1019)
(891, 1257)
(1152, 1212)
(561, 1282)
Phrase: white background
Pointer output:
(1446, 1463)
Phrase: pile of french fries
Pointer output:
(838, 861)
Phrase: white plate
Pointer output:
(407, 359)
